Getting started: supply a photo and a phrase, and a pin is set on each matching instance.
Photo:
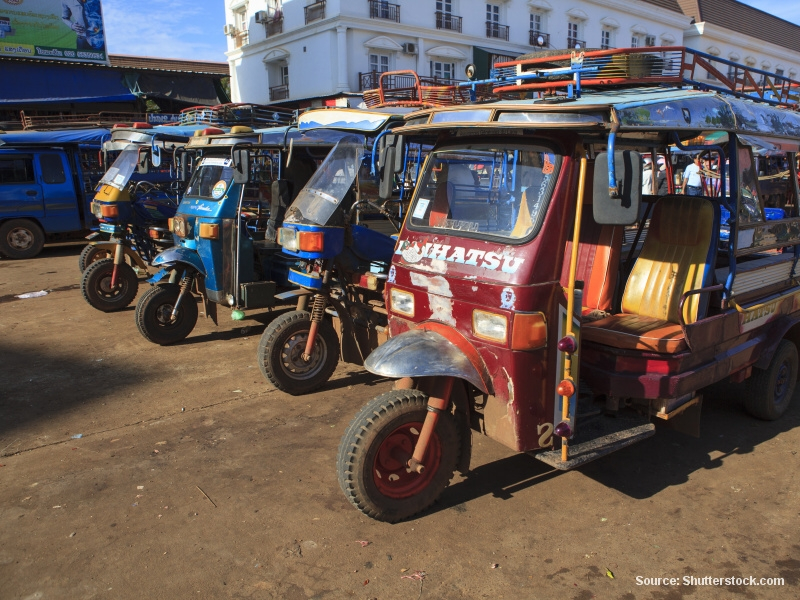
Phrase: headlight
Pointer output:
(180, 227)
(490, 326)
(287, 237)
(96, 210)
(402, 302)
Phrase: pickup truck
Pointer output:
(47, 182)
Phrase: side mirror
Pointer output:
(616, 201)
(184, 172)
(241, 165)
(144, 163)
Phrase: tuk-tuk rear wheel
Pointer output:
(154, 309)
(769, 391)
(374, 450)
(96, 285)
(281, 346)
(91, 254)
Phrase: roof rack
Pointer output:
(567, 72)
(101, 119)
(236, 114)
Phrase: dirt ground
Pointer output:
(129, 470)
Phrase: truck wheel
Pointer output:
(769, 391)
(96, 285)
(21, 238)
(154, 314)
(90, 254)
(280, 353)
(374, 451)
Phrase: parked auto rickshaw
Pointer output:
(226, 250)
(517, 310)
(134, 199)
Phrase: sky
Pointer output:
(192, 29)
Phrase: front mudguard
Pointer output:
(129, 252)
(177, 255)
(424, 352)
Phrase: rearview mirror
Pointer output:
(144, 163)
(616, 201)
(241, 165)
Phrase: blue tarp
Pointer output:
(54, 138)
(31, 83)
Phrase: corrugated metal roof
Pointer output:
(169, 64)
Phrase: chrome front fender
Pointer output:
(422, 353)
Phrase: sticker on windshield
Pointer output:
(119, 179)
(422, 206)
(219, 189)
(216, 162)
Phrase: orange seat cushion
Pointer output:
(636, 332)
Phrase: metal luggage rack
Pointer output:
(101, 119)
(236, 114)
(567, 72)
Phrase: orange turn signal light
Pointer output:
(209, 231)
(529, 331)
(109, 210)
(310, 241)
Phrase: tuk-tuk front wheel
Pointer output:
(281, 349)
(374, 452)
(97, 289)
(769, 391)
(154, 314)
(91, 254)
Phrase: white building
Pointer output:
(307, 51)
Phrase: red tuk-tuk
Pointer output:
(538, 298)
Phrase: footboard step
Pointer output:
(582, 453)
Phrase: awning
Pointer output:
(182, 87)
(56, 137)
(31, 83)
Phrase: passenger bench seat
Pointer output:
(677, 256)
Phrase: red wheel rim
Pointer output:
(389, 471)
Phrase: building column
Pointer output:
(341, 71)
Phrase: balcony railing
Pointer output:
(495, 30)
(539, 39)
(279, 92)
(384, 10)
(575, 43)
(371, 80)
(447, 21)
(241, 39)
(275, 26)
(315, 12)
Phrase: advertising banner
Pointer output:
(53, 29)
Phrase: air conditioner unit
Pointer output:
(261, 16)
(229, 30)
(410, 48)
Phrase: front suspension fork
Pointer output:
(119, 257)
(438, 402)
(186, 288)
(317, 314)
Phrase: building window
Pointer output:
(442, 70)
(378, 63)
(649, 41)
(444, 6)
(537, 26)
(709, 75)
(285, 75)
(573, 41)
(605, 39)
(634, 41)
(240, 22)
(779, 72)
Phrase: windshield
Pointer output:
(486, 190)
(211, 178)
(329, 186)
(120, 172)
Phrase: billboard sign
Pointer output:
(53, 29)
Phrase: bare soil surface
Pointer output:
(130, 470)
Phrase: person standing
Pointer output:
(692, 183)
(647, 176)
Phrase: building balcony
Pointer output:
(497, 31)
(447, 21)
(275, 25)
(384, 10)
(539, 39)
(241, 39)
(575, 43)
(279, 92)
(371, 81)
(315, 12)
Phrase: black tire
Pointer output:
(154, 310)
(96, 285)
(370, 474)
(281, 345)
(90, 254)
(769, 391)
(21, 238)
